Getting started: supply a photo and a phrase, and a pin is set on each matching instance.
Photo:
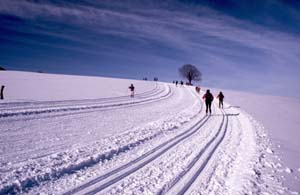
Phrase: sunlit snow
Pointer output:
(86, 135)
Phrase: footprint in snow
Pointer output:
(269, 151)
(288, 170)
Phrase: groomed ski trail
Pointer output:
(212, 161)
(75, 106)
(185, 152)
(206, 153)
(116, 175)
(30, 182)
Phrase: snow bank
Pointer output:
(281, 119)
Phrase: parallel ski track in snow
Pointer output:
(184, 185)
(30, 182)
(110, 178)
(154, 96)
(34, 104)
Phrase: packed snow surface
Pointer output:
(85, 135)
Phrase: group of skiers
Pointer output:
(177, 82)
(208, 97)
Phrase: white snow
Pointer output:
(281, 120)
(27, 86)
(85, 135)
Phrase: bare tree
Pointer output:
(190, 72)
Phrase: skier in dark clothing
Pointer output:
(131, 87)
(1, 92)
(208, 100)
(221, 98)
(198, 89)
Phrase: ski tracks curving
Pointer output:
(48, 107)
(198, 159)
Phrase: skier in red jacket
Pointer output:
(208, 100)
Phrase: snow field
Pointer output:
(160, 142)
(67, 106)
(32, 87)
(152, 177)
(53, 123)
(73, 160)
(146, 157)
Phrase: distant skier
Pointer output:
(221, 98)
(176, 83)
(198, 89)
(208, 100)
(1, 92)
(131, 87)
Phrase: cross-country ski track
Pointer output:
(160, 142)
(65, 106)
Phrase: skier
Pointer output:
(1, 92)
(208, 100)
(176, 83)
(131, 87)
(221, 97)
(198, 89)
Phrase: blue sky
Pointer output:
(244, 45)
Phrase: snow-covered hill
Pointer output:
(84, 135)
